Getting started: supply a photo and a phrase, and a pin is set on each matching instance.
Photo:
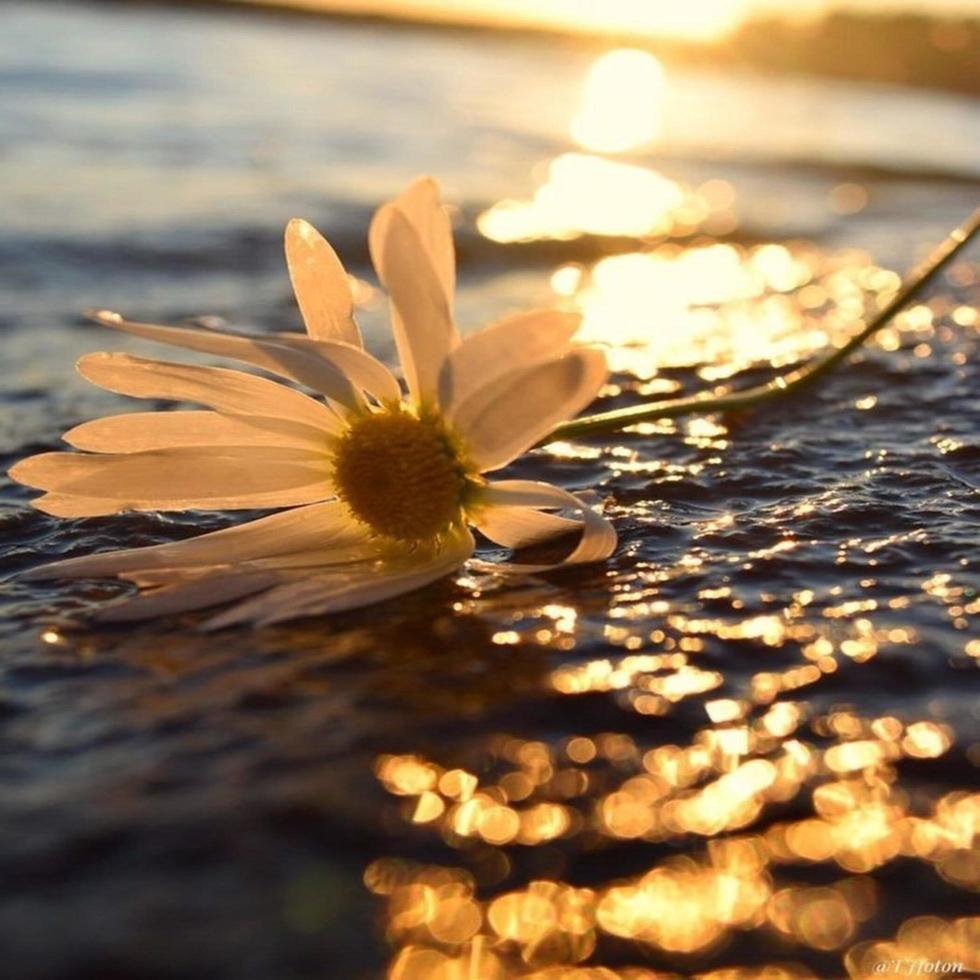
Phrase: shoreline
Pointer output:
(763, 45)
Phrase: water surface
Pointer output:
(748, 739)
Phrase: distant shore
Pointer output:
(896, 48)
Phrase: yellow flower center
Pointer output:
(400, 474)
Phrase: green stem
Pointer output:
(705, 403)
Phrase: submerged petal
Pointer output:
(513, 343)
(320, 284)
(187, 592)
(349, 588)
(292, 531)
(225, 390)
(167, 591)
(510, 415)
(421, 319)
(598, 536)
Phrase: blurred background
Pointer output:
(152, 151)
(744, 749)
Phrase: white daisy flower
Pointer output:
(378, 486)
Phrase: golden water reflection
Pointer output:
(683, 295)
(729, 821)
(719, 305)
(726, 809)
(578, 194)
(450, 920)
(584, 194)
(727, 786)
(724, 307)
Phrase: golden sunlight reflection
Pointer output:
(767, 786)
(609, 787)
(620, 108)
(716, 304)
(588, 194)
(721, 306)
(726, 306)
(734, 801)
(585, 194)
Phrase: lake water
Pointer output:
(748, 740)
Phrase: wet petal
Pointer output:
(316, 369)
(74, 505)
(168, 591)
(363, 369)
(510, 415)
(420, 204)
(222, 389)
(421, 320)
(519, 527)
(141, 431)
(598, 536)
(350, 588)
(321, 285)
(514, 343)
(181, 479)
(187, 592)
(292, 531)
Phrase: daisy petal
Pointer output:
(288, 532)
(420, 204)
(72, 505)
(188, 592)
(363, 369)
(316, 370)
(506, 417)
(321, 285)
(598, 535)
(350, 588)
(513, 343)
(140, 431)
(225, 390)
(421, 320)
(166, 591)
(520, 527)
(228, 477)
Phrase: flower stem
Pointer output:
(705, 403)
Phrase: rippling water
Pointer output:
(747, 742)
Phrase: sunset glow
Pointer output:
(695, 20)
(520, 524)
(701, 20)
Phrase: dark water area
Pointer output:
(748, 741)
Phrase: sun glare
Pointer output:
(621, 103)
(587, 195)
(696, 19)
(700, 20)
